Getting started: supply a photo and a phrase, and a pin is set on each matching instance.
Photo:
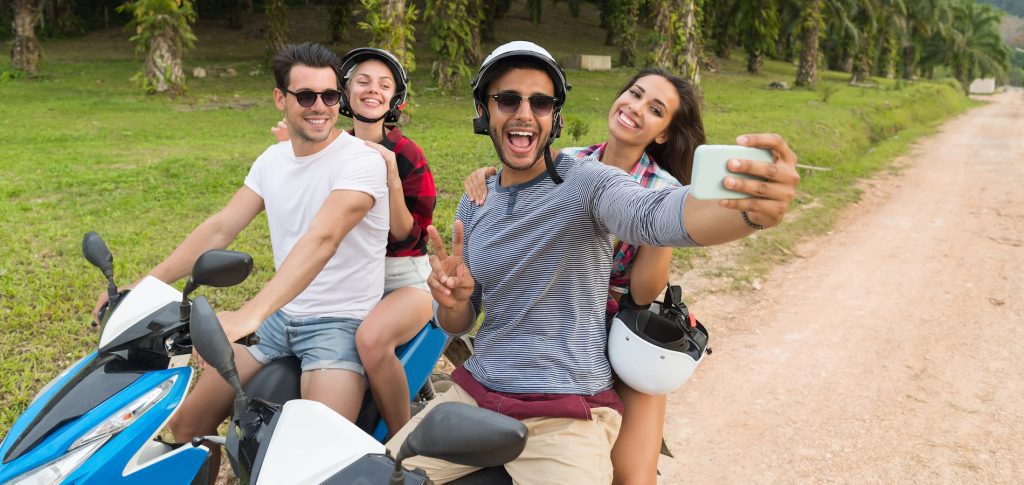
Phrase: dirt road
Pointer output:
(891, 350)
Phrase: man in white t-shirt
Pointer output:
(325, 194)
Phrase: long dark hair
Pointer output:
(685, 131)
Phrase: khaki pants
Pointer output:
(558, 450)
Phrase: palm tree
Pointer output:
(892, 30)
(390, 23)
(866, 17)
(623, 21)
(842, 35)
(978, 49)
(925, 18)
(664, 30)
(678, 42)
(718, 27)
(758, 27)
(339, 18)
(25, 52)
(277, 26)
(688, 55)
(163, 31)
(452, 28)
(810, 35)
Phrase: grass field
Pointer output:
(83, 149)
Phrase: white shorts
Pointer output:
(403, 271)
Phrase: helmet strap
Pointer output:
(556, 129)
(367, 120)
(549, 163)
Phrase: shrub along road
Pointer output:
(888, 351)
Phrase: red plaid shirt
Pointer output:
(419, 190)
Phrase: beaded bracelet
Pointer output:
(746, 220)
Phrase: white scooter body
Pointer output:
(311, 443)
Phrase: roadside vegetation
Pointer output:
(84, 148)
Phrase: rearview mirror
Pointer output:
(208, 338)
(218, 268)
(96, 252)
(489, 439)
(221, 268)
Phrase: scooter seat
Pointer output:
(279, 381)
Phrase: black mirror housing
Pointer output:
(495, 439)
(208, 337)
(97, 253)
(221, 268)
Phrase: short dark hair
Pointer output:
(307, 54)
(685, 131)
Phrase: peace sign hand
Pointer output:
(450, 282)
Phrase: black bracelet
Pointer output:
(746, 220)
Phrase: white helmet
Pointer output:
(539, 57)
(655, 353)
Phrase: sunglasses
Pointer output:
(508, 103)
(307, 98)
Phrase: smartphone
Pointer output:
(709, 168)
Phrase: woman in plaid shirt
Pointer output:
(655, 117)
(375, 89)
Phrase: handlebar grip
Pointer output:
(248, 340)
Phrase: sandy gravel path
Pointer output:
(891, 350)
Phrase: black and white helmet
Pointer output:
(655, 351)
(521, 49)
(398, 101)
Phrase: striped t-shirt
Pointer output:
(540, 254)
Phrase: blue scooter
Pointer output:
(98, 421)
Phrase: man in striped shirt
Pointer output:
(536, 255)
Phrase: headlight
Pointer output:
(55, 471)
(127, 415)
(79, 451)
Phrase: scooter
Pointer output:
(306, 442)
(97, 422)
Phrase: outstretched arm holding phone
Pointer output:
(711, 222)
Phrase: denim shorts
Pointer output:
(318, 342)
(403, 271)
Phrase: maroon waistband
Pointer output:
(535, 405)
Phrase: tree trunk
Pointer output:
(754, 61)
(625, 23)
(25, 52)
(476, 13)
(909, 62)
(393, 13)
(688, 59)
(163, 64)
(810, 34)
(491, 11)
(277, 26)
(536, 9)
(846, 65)
(236, 14)
(340, 17)
(661, 54)
(861, 69)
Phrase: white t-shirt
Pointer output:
(293, 190)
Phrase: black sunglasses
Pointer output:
(540, 105)
(307, 98)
